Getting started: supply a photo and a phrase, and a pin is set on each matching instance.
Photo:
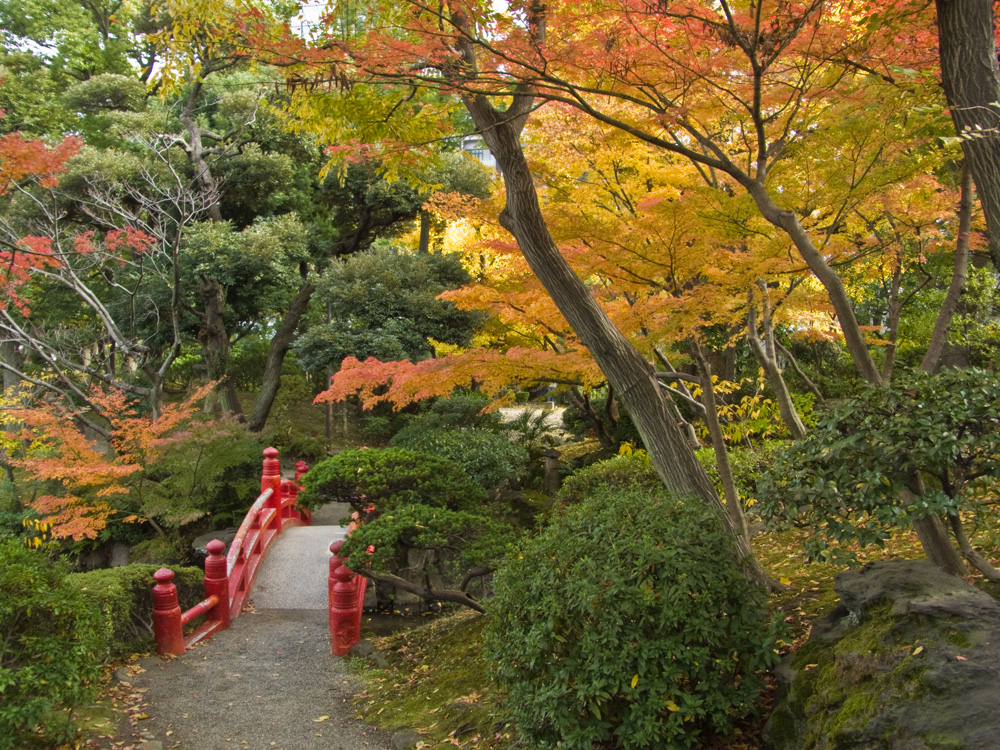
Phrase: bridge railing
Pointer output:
(229, 577)
(347, 597)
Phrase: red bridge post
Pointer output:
(270, 478)
(167, 628)
(217, 583)
(345, 607)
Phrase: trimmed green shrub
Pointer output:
(51, 647)
(627, 623)
(124, 597)
(488, 458)
(389, 478)
(458, 548)
(635, 470)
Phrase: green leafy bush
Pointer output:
(627, 623)
(389, 478)
(634, 470)
(849, 475)
(488, 458)
(124, 597)
(211, 468)
(622, 430)
(51, 646)
(458, 548)
(461, 409)
(748, 464)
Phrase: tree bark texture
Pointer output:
(766, 355)
(970, 77)
(733, 506)
(959, 278)
(214, 342)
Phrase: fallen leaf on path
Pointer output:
(321, 718)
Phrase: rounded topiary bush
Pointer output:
(488, 458)
(627, 623)
(389, 478)
(51, 647)
(634, 470)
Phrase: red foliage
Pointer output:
(94, 478)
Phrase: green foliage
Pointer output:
(488, 458)
(212, 468)
(748, 464)
(627, 623)
(621, 430)
(531, 430)
(975, 329)
(51, 645)
(936, 435)
(384, 304)
(459, 539)
(633, 471)
(461, 409)
(123, 596)
(389, 478)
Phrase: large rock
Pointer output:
(908, 661)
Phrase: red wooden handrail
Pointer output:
(228, 578)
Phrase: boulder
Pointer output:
(908, 661)
(198, 552)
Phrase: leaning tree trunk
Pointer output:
(960, 276)
(733, 505)
(766, 356)
(627, 371)
(970, 77)
(280, 344)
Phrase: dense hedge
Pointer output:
(51, 647)
(488, 458)
(627, 623)
(634, 470)
(124, 598)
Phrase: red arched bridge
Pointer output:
(230, 575)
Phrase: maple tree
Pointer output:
(741, 91)
(99, 482)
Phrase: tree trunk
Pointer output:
(582, 403)
(627, 371)
(733, 506)
(215, 344)
(766, 357)
(935, 541)
(970, 77)
(425, 232)
(10, 353)
(280, 344)
(932, 357)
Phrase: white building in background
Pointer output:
(476, 146)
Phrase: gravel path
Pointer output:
(267, 683)
(270, 681)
